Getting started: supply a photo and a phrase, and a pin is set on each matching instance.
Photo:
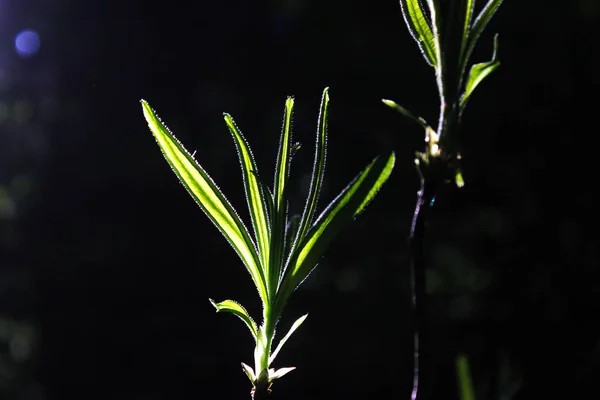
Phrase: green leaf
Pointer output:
(236, 308)
(405, 112)
(468, 18)
(295, 326)
(463, 373)
(279, 196)
(478, 73)
(268, 197)
(380, 172)
(423, 31)
(479, 25)
(249, 372)
(318, 170)
(458, 179)
(276, 374)
(283, 156)
(342, 210)
(257, 201)
(208, 196)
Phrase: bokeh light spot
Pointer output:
(27, 43)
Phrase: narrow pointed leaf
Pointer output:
(479, 25)
(295, 326)
(283, 156)
(380, 173)
(421, 29)
(276, 374)
(268, 197)
(463, 374)
(257, 201)
(342, 210)
(405, 112)
(458, 179)
(318, 169)
(236, 308)
(466, 29)
(478, 73)
(249, 372)
(208, 196)
(279, 195)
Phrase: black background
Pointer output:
(106, 263)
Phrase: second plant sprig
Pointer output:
(282, 251)
(446, 42)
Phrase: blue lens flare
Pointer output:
(27, 43)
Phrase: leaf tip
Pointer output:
(150, 115)
(249, 372)
(459, 180)
(393, 105)
(495, 51)
(227, 117)
(393, 157)
(302, 318)
(276, 374)
(145, 106)
(289, 103)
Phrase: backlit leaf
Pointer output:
(318, 169)
(295, 326)
(208, 196)
(478, 73)
(463, 374)
(276, 374)
(257, 200)
(341, 211)
(392, 104)
(236, 308)
(249, 372)
(466, 29)
(280, 196)
(421, 29)
(479, 25)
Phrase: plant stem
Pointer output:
(417, 275)
(262, 386)
(260, 393)
(432, 176)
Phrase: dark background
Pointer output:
(106, 263)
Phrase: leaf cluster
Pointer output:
(279, 252)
